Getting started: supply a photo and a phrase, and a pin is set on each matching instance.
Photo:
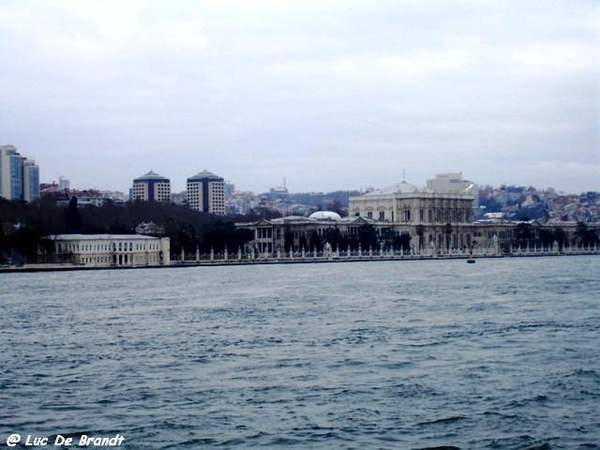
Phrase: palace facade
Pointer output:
(113, 250)
(417, 220)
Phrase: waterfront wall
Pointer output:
(240, 257)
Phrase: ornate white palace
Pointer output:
(441, 217)
(113, 250)
(406, 219)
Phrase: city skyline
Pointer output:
(328, 95)
(420, 184)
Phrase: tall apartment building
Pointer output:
(19, 176)
(63, 183)
(31, 180)
(206, 192)
(229, 189)
(151, 187)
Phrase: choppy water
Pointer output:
(503, 354)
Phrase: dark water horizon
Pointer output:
(502, 354)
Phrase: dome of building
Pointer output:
(205, 175)
(325, 215)
(151, 176)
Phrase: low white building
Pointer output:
(113, 250)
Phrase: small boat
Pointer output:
(471, 259)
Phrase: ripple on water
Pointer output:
(421, 355)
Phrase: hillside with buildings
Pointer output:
(447, 214)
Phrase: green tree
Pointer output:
(448, 232)
(288, 239)
(220, 234)
(402, 242)
(586, 236)
(560, 236)
(367, 236)
(546, 237)
(524, 234)
(580, 233)
(25, 242)
(420, 232)
(315, 242)
(303, 242)
(72, 216)
(333, 237)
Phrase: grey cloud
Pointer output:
(256, 91)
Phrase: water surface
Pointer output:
(502, 354)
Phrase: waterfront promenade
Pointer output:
(371, 255)
(327, 256)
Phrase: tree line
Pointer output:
(367, 238)
(528, 235)
(24, 227)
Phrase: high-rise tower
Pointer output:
(151, 187)
(206, 192)
(19, 176)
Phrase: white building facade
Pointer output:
(151, 187)
(113, 250)
(407, 204)
(206, 192)
(434, 219)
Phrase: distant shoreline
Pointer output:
(29, 268)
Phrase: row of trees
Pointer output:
(23, 226)
(528, 235)
(367, 238)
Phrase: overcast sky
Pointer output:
(328, 94)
